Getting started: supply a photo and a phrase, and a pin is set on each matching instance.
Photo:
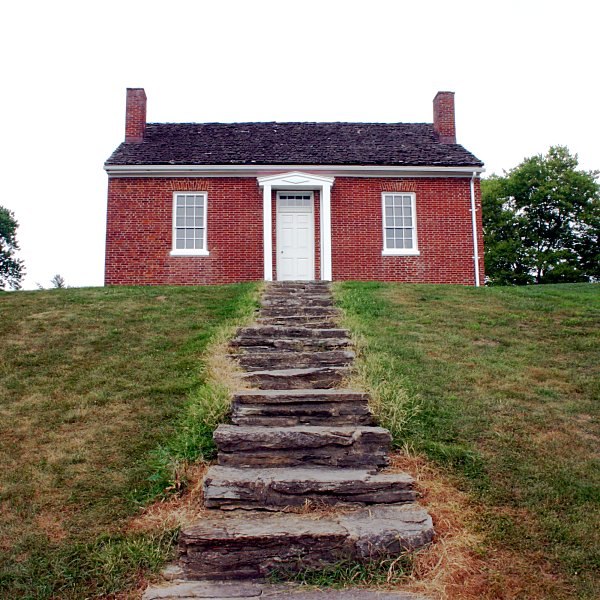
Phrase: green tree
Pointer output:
(541, 222)
(11, 268)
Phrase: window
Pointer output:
(287, 200)
(189, 223)
(399, 223)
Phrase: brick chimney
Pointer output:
(443, 117)
(135, 115)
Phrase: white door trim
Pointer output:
(303, 182)
(297, 210)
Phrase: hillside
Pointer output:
(500, 388)
(104, 397)
(100, 401)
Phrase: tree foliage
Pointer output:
(541, 222)
(11, 268)
(58, 282)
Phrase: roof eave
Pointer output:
(166, 170)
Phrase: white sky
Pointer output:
(525, 75)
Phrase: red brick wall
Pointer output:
(139, 232)
(444, 231)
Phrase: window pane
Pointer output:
(180, 211)
(408, 244)
(180, 234)
(399, 243)
(198, 221)
(389, 238)
(408, 221)
(180, 201)
(180, 222)
(406, 200)
(407, 211)
(389, 200)
(180, 244)
(189, 221)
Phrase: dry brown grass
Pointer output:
(179, 510)
(460, 565)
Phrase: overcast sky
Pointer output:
(525, 75)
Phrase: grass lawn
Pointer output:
(103, 394)
(501, 387)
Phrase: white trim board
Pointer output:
(263, 171)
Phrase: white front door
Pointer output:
(295, 236)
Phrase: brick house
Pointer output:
(208, 203)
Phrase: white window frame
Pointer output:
(414, 251)
(189, 251)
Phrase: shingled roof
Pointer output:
(402, 144)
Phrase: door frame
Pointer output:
(278, 210)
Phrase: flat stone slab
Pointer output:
(280, 331)
(254, 544)
(299, 344)
(298, 300)
(299, 284)
(308, 311)
(288, 379)
(226, 590)
(302, 445)
(316, 322)
(286, 408)
(261, 361)
(274, 489)
(339, 395)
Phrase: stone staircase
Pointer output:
(301, 461)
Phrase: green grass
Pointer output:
(103, 399)
(502, 387)
(372, 573)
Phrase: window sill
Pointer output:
(400, 253)
(190, 253)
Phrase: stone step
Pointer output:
(299, 284)
(254, 590)
(279, 331)
(294, 301)
(266, 344)
(309, 322)
(261, 361)
(294, 379)
(299, 311)
(297, 293)
(275, 489)
(300, 407)
(254, 544)
(298, 298)
(302, 445)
